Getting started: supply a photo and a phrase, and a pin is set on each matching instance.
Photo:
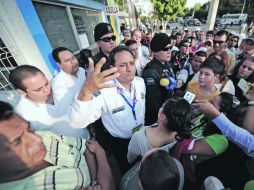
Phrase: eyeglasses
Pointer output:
(166, 48)
(108, 39)
(218, 42)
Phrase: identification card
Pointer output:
(189, 97)
(243, 84)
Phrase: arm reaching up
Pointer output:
(86, 109)
(97, 80)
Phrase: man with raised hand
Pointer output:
(38, 104)
(121, 108)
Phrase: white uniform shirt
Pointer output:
(117, 116)
(143, 54)
(139, 66)
(66, 86)
(50, 117)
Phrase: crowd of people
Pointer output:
(128, 108)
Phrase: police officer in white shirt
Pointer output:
(67, 83)
(38, 104)
(121, 108)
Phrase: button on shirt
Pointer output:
(116, 114)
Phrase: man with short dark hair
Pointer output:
(182, 58)
(219, 45)
(106, 40)
(248, 48)
(126, 36)
(186, 74)
(44, 160)
(178, 36)
(69, 80)
(132, 44)
(122, 108)
(209, 35)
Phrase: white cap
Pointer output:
(201, 49)
(174, 48)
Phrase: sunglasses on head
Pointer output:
(166, 48)
(218, 42)
(108, 39)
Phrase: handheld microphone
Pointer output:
(168, 82)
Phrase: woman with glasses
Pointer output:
(232, 45)
(245, 70)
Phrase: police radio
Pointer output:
(167, 81)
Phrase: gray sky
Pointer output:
(191, 3)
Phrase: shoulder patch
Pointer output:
(150, 81)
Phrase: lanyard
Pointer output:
(178, 62)
(134, 101)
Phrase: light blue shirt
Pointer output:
(238, 135)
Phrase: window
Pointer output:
(57, 25)
(7, 63)
(85, 20)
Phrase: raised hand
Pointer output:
(97, 80)
(205, 107)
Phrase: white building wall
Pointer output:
(17, 37)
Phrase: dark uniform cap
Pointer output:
(159, 41)
(101, 29)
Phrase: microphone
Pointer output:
(168, 82)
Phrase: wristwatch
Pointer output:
(94, 182)
(251, 103)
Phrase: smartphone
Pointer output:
(189, 97)
(244, 86)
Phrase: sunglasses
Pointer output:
(218, 42)
(108, 39)
(166, 48)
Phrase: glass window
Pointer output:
(57, 26)
(85, 21)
